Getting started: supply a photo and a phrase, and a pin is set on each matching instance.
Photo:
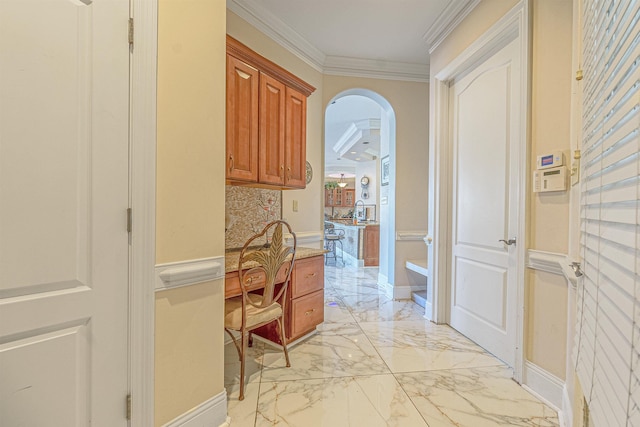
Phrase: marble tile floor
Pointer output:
(378, 362)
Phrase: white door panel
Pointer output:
(485, 139)
(64, 108)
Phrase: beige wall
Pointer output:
(549, 213)
(410, 102)
(190, 200)
(545, 330)
(309, 217)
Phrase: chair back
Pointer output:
(266, 265)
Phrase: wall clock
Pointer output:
(309, 172)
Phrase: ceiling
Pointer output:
(388, 39)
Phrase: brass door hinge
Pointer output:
(128, 407)
(131, 32)
(129, 220)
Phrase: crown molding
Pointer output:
(449, 19)
(354, 133)
(376, 69)
(262, 19)
(278, 31)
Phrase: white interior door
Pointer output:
(64, 88)
(485, 117)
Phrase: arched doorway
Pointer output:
(360, 139)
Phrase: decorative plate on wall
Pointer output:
(309, 172)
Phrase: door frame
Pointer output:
(515, 24)
(142, 201)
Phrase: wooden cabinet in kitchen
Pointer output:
(266, 121)
(371, 245)
(348, 197)
(339, 197)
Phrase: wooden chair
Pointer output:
(261, 268)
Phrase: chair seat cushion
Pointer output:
(255, 316)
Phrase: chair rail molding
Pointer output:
(552, 262)
(186, 273)
(411, 235)
(304, 237)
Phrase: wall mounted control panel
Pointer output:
(552, 179)
(550, 173)
(550, 160)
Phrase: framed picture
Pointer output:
(384, 171)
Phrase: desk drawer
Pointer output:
(256, 279)
(308, 276)
(305, 314)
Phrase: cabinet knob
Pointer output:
(312, 275)
(309, 312)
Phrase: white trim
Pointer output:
(212, 412)
(418, 265)
(403, 292)
(305, 237)
(374, 69)
(515, 24)
(552, 262)
(543, 384)
(449, 19)
(419, 235)
(566, 413)
(185, 273)
(266, 22)
(143, 205)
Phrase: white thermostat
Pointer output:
(553, 179)
(550, 160)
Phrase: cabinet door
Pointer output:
(371, 245)
(328, 197)
(338, 194)
(348, 198)
(242, 121)
(271, 157)
(295, 139)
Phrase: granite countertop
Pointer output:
(231, 258)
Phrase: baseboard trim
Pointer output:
(213, 412)
(185, 273)
(543, 384)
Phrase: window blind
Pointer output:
(607, 345)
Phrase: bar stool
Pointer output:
(331, 238)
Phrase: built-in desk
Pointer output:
(304, 304)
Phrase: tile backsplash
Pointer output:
(248, 210)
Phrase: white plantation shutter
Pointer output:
(607, 352)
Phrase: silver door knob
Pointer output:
(508, 242)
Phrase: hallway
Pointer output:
(378, 362)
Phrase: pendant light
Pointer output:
(341, 183)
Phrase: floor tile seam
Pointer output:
(406, 393)
(447, 369)
(288, 380)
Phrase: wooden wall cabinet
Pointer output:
(339, 197)
(266, 121)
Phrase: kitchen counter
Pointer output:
(357, 247)
(231, 258)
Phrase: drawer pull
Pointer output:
(308, 312)
(250, 280)
(312, 275)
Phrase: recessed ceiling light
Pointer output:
(357, 158)
(354, 152)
